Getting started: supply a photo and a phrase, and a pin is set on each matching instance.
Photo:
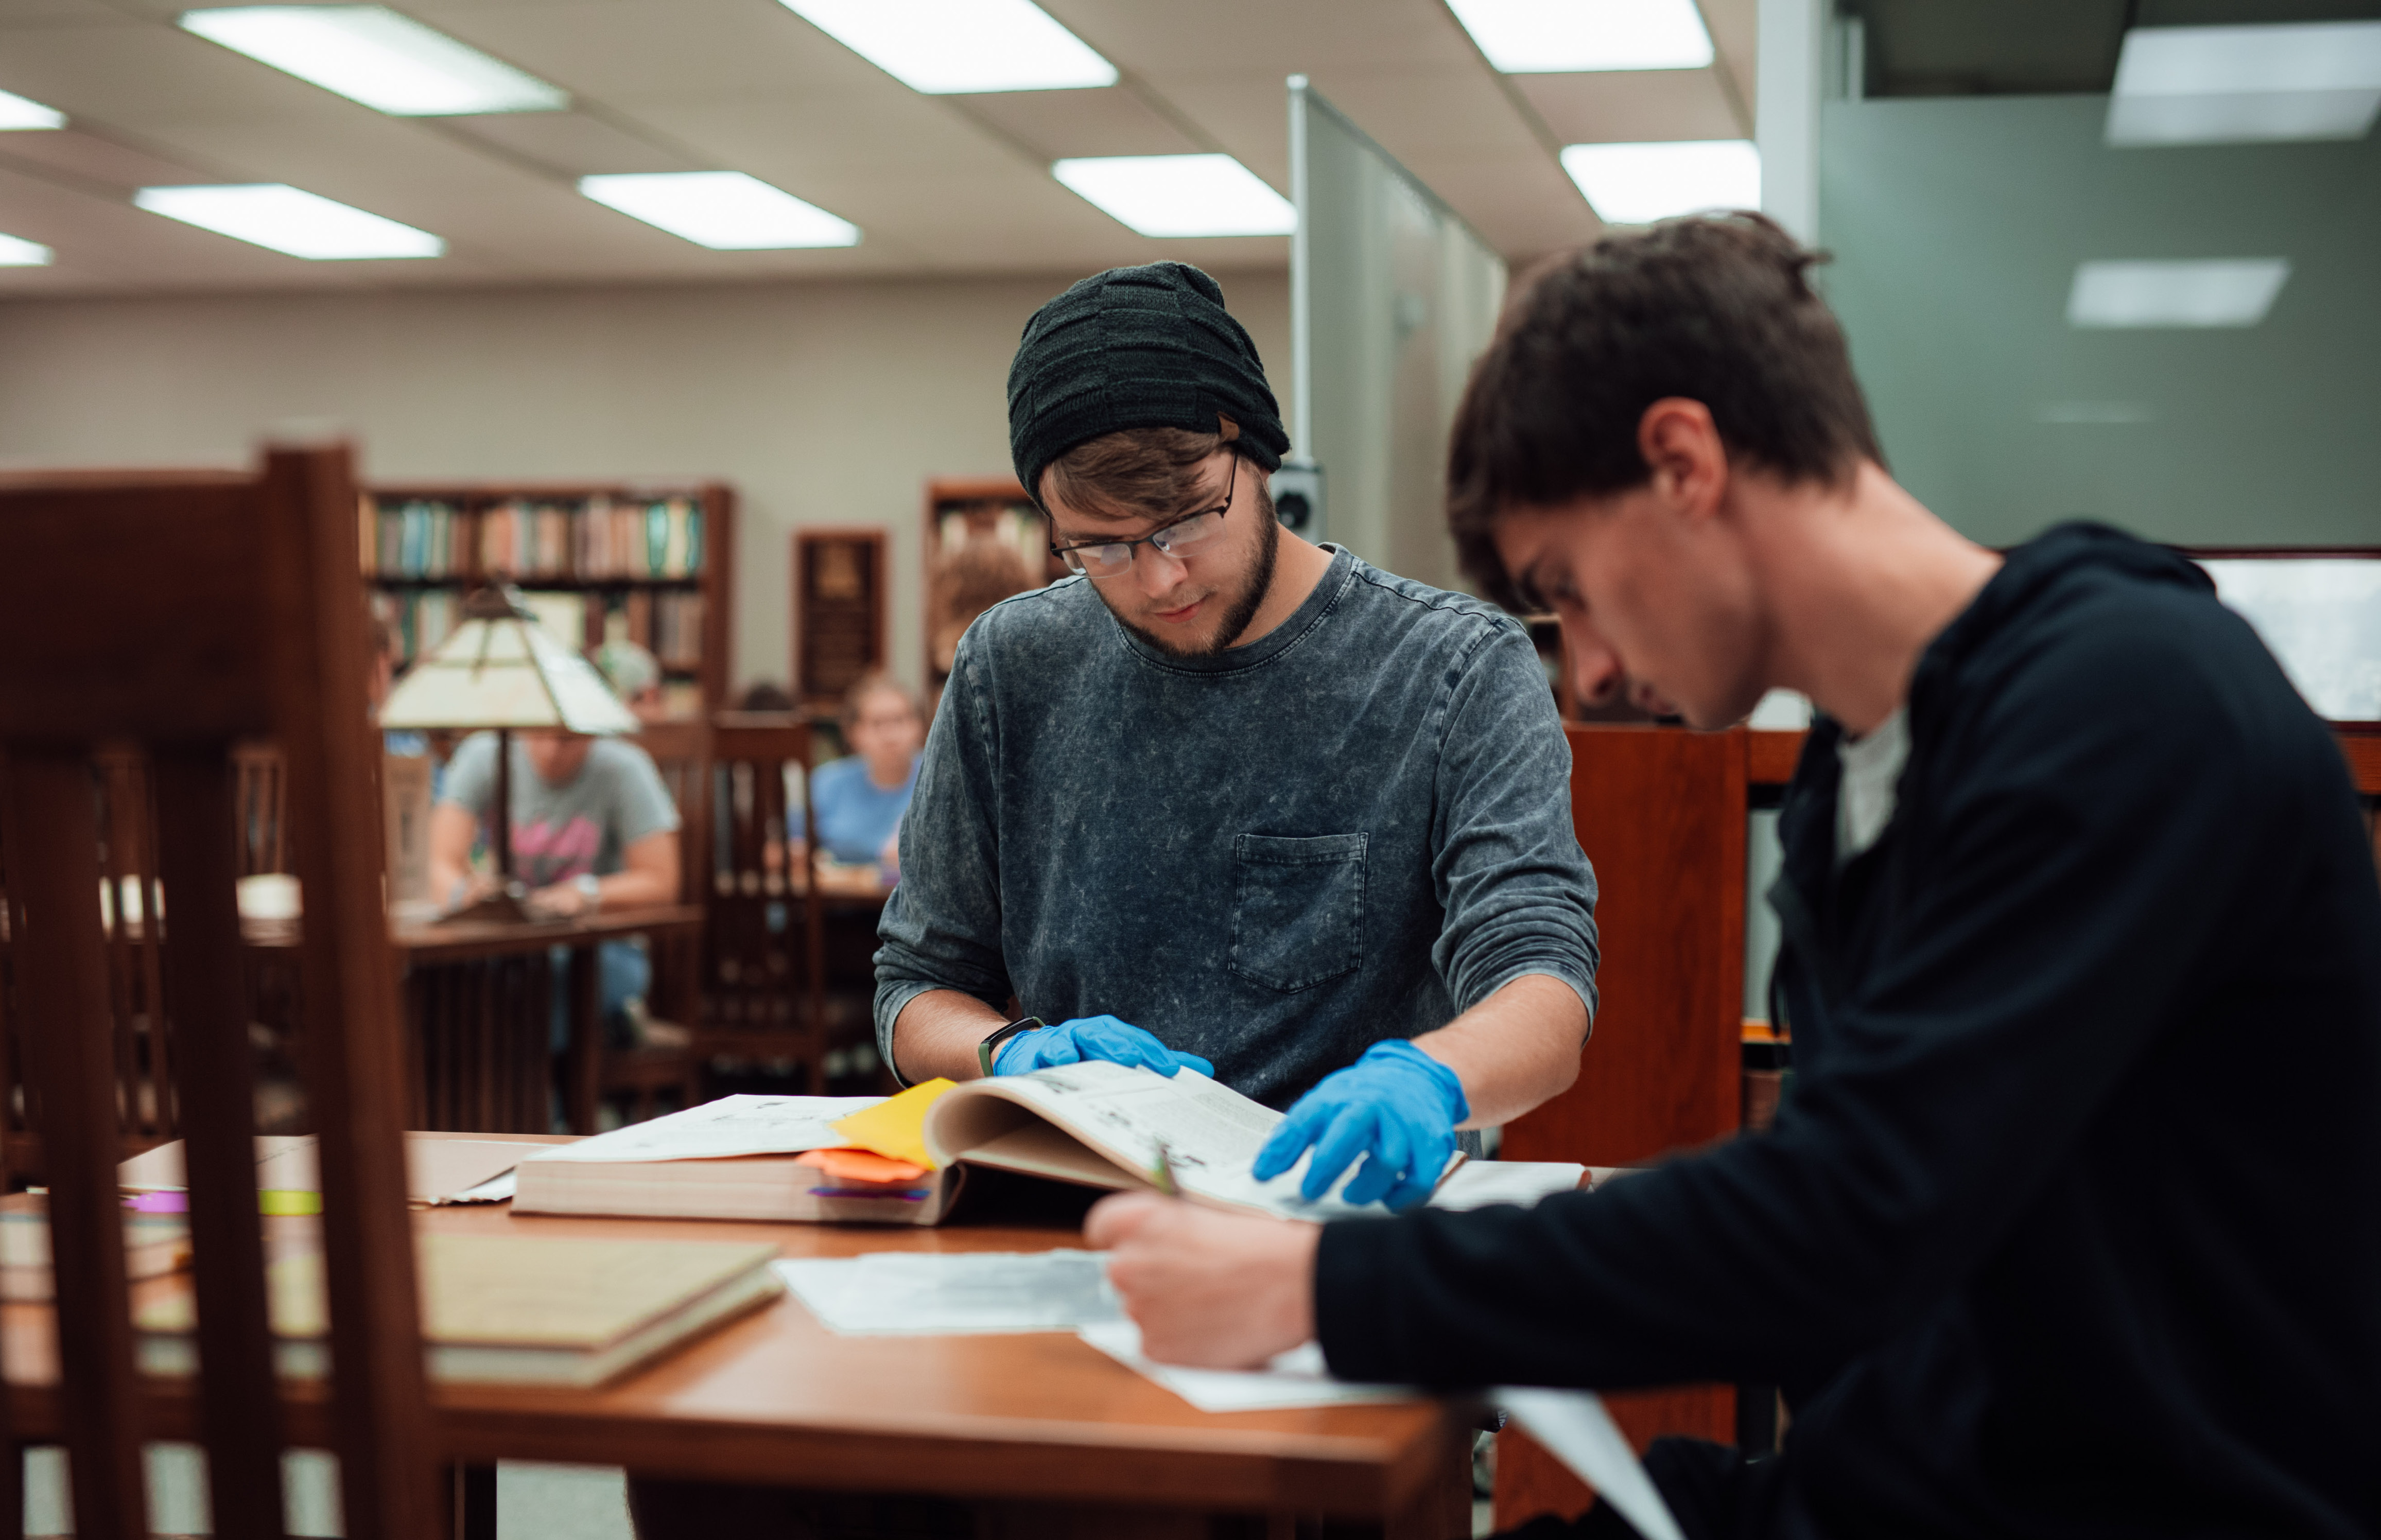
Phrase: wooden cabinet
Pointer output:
(840, 605)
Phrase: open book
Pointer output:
(1102, 1124)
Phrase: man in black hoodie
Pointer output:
(2071, 1225)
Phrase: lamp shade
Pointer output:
(501, 669)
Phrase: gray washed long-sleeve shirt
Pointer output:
(1351, 829)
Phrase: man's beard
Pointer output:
(1236, 618)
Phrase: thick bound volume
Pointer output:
(740, 1157)
(506, 1309)
(154, 1245)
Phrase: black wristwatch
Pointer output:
(987, 1049)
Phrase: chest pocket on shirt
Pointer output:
(1298, 908)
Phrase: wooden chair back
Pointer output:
(184, 612)
(681, 752)
(764, 944)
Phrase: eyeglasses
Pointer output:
(1113, 558)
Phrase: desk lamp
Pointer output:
(501, 669)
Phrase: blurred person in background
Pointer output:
(857, 801)
(635, 676)
(592, 828)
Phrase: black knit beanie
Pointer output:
(1136, 347)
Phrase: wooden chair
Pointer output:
(185, 611)
(765, 941)
(666, 1061)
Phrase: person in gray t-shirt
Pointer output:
(1229, 799)
(592, 827)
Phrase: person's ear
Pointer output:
(1682, 447)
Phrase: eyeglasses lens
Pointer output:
(1189, 533)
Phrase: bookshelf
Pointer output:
(653, 562)
(974, 525)
(839, 607)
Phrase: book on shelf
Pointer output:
(412, 538)
(505, 1309)
(596, 539)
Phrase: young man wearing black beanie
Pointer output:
(1231, 799)
(2071, 1223)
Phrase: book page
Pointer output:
(730, 1126)
(935, 1293)
(1295, 1378)
(1211, 1133)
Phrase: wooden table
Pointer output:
(1032, 1419)
(425, 945)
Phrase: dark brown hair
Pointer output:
(1717, 310)
(1145, 472)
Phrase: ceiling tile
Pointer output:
(1606, 107)
(569, 143)
(78, 156)
(1057, 124)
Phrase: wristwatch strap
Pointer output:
(989, 1049)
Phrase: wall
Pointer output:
(1957, 226)
(823, 403)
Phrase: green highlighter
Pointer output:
(1162, 1175)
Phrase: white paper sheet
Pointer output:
(730, 1126)
(1478, 1183)
(1577, 1430)
(1295, 1378)
(955, 1293)
(495, 1189)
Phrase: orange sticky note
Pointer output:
(895, 1126)
(860, 1166)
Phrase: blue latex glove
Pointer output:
(1090, 1037)
(1397, 1107)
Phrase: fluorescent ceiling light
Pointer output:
(1180, 195)
(15, 252)
(944, 46)
(286, 219)
(18, 112)
(1542, 37)
(2226, 85)
(724, 210)
(2129, 294)
(371, 54)
(1636, 184)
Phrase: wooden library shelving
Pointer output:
(651, 562)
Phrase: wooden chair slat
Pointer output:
(355, 1071)
(54, 870)
(198, 857)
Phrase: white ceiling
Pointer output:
(951, 185)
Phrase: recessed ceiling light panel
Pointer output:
(18, 252)
(943, 47)
(1636, 184)
(2235, 292)
(727, 211)
(286, 219)
(2230, 85)
(17, 112)
(371, 54)
(1543, 37)
(1180, 195)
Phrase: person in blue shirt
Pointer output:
(857, 803)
